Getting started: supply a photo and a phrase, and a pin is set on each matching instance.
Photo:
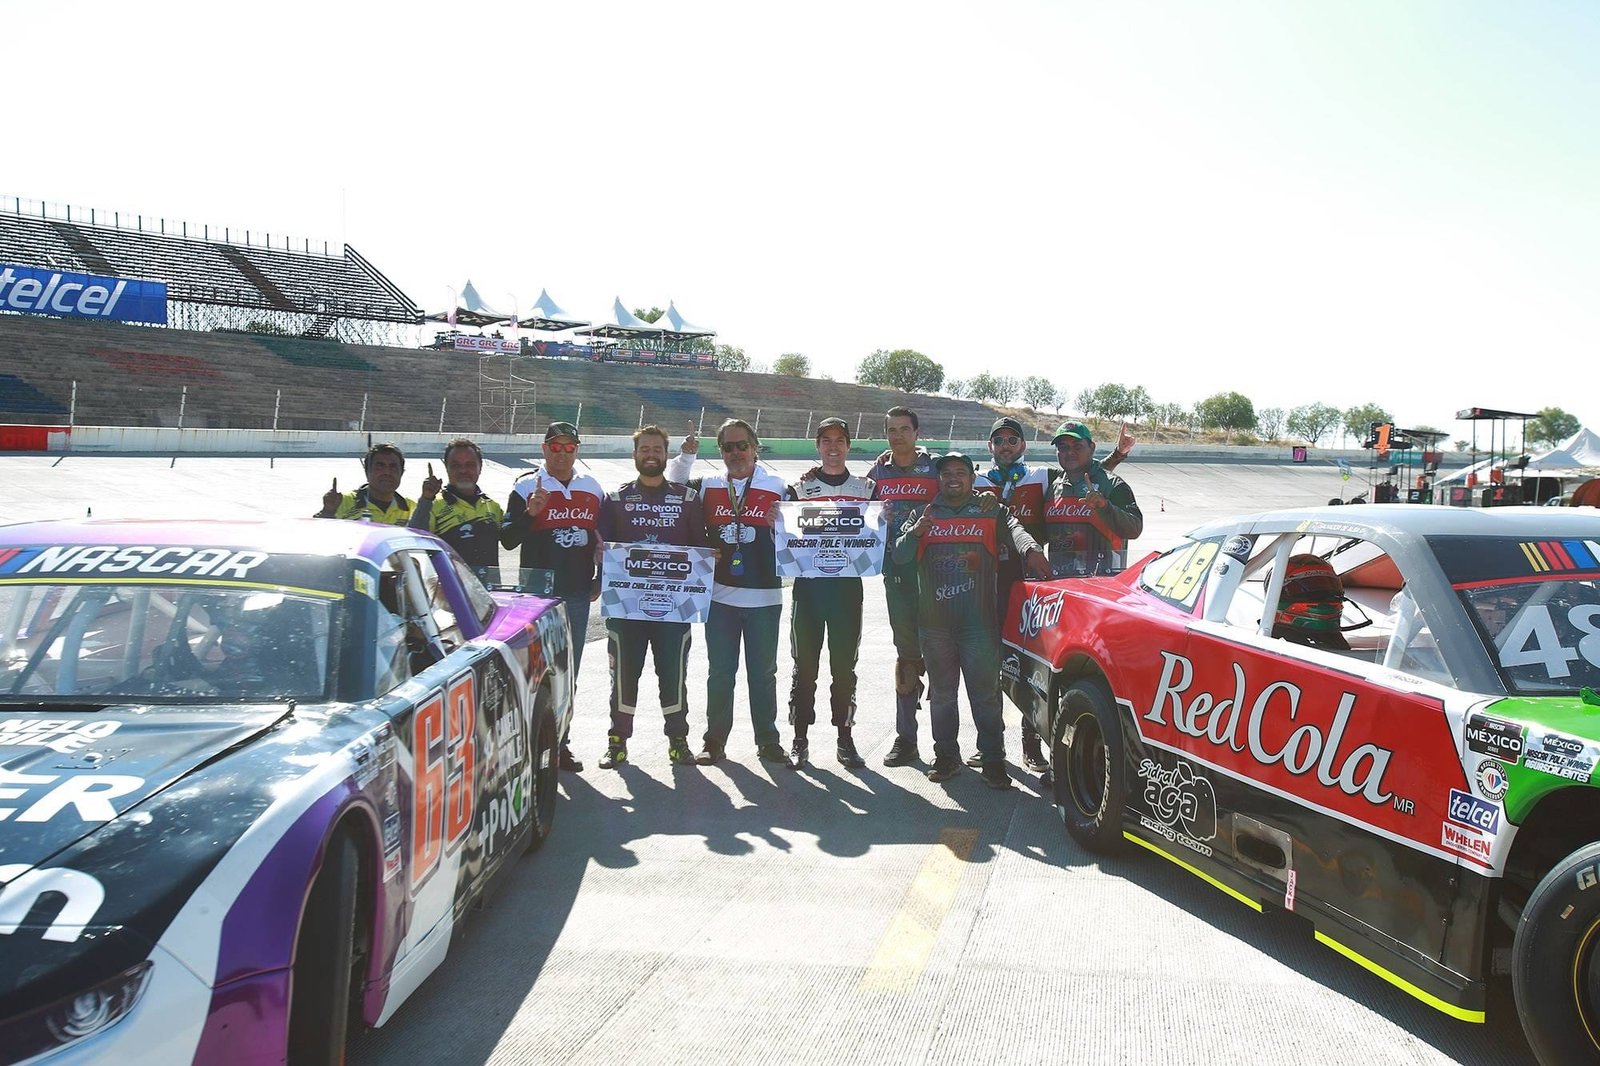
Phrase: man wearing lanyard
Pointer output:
(552, 516)
(955, 545)
(747, 597)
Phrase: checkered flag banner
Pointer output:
(656, 582)
(830, 538)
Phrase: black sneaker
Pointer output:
(1033, 756)
(569, 762)
(616, 752)
(711, 753)
(678, 752)
(975, 760)
(944, 769)
(995, 776)
(800, 751)
(902, 752)
(848, 755)
(773, 753)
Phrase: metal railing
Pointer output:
(138, 222)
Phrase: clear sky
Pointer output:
(1344, 202)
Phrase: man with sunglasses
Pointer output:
(740, 506)
(552, 516)
(1024, 490)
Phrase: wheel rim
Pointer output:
(1586, 982)
(1081, 766)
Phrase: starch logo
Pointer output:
(1039, 612)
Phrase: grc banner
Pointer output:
(656, 582)
(486, 344)
(60, 292)
(830, 538)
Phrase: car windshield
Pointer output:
(109, 643)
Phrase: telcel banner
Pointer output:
(830, 538)
(60, 292)
(656, 582)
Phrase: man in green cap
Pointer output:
(1091, 514)
(956, 543)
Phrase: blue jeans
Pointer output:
(758, 628)
(973, 653)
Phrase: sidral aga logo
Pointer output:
(830, 522)
(1307, 748)
(1184, 805)
(658, 564)
(1040, 611)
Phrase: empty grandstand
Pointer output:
(217, 278)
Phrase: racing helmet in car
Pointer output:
(1311, 604)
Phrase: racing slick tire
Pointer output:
(546, 767)
(1555, 962)
(325, 959)
(1086, 765)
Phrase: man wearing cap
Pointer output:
(377, 500)
(904, 479)
(1091, 514)
(828, 606)
(740, 506)
(466, 519)
(552, 516)
(955, 543)
(1024, 489)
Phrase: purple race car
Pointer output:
(252, 775)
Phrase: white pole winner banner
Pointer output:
(830, 538)
(656, 582)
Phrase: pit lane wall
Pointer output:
(166, 440)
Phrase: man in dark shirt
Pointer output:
(955, 543)
(552, 516)
(652, 510)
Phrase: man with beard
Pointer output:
(649, 510)
(955, 544)
(467, 519)
(740, 507)
(1023, 489)
(376, 501)
(828, 606)
(552, 516)
(1091, 514)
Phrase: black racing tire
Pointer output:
(1086, 766)
(546, 771)
(1555, 963)
(320, 1002)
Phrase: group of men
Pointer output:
(958, 541)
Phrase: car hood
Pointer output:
(66, 772)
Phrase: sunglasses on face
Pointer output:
(563, 448)
(736, 446)
(1008, 442)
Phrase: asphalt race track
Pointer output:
(746, 913)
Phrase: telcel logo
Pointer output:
(1471, 811)
(59, 292)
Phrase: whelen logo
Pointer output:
(59, 292)
(658, 565)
